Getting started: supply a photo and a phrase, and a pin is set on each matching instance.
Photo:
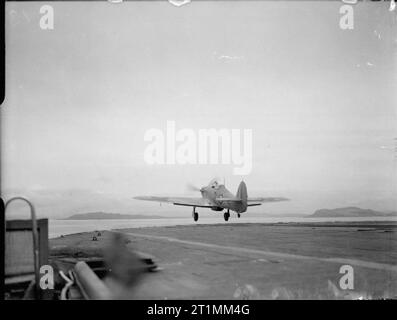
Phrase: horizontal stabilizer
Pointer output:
(269, 199)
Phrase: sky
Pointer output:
(320, 101)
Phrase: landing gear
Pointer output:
(195, 214)
(226, 215)
(238, 215)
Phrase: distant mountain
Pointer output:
(351, 212)
(113, 216)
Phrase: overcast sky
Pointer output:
(321, 101)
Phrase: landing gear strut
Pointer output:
(195, 214)
(226, 215)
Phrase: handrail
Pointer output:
(35, 241)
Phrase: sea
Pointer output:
(58, 228)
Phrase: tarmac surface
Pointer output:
(260, 261)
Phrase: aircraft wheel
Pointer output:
(238, 215)
(195, 216)
(226, 215)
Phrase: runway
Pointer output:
(259, 261)
(269, 261)
(257, 253)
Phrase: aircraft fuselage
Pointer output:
(214, 192)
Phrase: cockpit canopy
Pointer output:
(214, 184)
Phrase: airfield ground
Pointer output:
(258, 261)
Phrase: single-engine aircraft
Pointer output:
(216, 197)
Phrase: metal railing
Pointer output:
(35, 242)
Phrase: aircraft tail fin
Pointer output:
(242, 195)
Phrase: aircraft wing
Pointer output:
(258, 201)
(178, 201)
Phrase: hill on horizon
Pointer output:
(351, 212)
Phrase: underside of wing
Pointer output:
(178, 201)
